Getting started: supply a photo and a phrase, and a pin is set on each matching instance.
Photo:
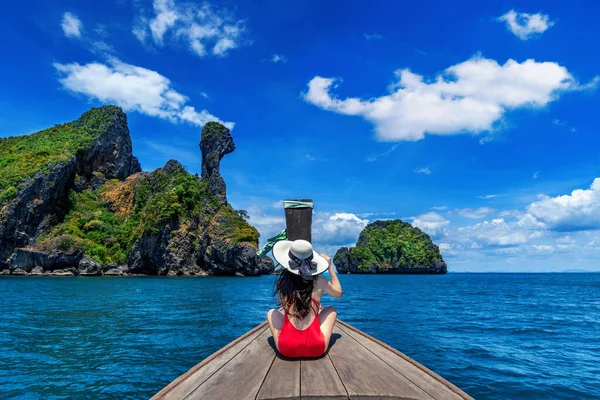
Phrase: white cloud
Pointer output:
(511, 214)
(468, 97)
(543, 248)
(495, 233)
(373, 36)
(101, 47)
(338, 228)
(441, 208)
(431, 223)
(525, 26)
(488, 196)
(139, 31)
(528, 221)
(278, 58)
(132, 88)
(578, 211)
(425, 171)
(310, 158)
(204, 29)
(375, 157)
(475, 213)
(71, 25)
(565, 240)
(593, 244)
(486, 139)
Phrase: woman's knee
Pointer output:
(269, 314)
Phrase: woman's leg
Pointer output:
(327, 319)
(275, 320)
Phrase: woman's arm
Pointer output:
(333, 287)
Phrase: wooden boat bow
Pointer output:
(356, 366)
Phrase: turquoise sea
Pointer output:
(496, 336)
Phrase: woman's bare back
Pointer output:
(327, 315)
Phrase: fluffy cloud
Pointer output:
(495, 233)
(132, 88)
(475, 213)
(578, 211)
(431, 223)
(71, 25)
(204, 29)
(466, 97)
(425, 171)
(267, 223)
(337, 229)
(525, 26)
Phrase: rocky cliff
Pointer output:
(391, 247)
(87, 208)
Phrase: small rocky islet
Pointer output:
(74, 201)
(391, 247)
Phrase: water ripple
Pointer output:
(497, 336)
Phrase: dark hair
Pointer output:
(294, 294)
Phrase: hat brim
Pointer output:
(281, 253)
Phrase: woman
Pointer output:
(302, 328)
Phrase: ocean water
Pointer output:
(496, 336)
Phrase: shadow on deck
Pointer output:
(356, 366)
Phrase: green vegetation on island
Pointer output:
(391, 247)
(23, 156)
(92, 200)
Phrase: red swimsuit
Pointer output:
(309, 342)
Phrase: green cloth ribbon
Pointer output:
(271, 242)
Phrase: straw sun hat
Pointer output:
(299, 258)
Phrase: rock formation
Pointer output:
(391, 247)
(42, 200)
(215, 143)
(97, 213)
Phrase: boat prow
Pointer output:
(355, 366)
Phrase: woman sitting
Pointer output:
(302, 328)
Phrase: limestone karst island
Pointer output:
(391, 247)
(74, 201)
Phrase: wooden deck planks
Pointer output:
(282, 381)
(196, 376)
(366, 376)
(320, 380)
(356, 366)
(436, 386)
(241, 377)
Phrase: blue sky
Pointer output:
(474, 122)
